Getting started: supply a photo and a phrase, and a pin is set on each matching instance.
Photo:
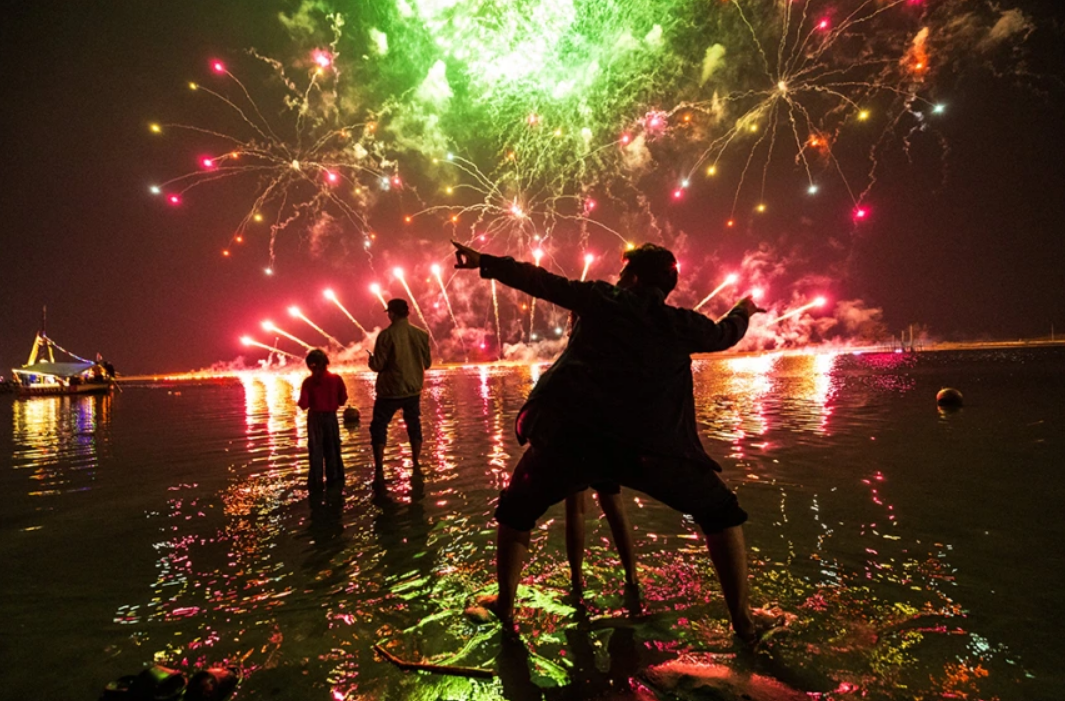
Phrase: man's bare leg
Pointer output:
(575, 505)
(512, 546)
(416, 454)
(621, 530)
(379, 462)
(728, 553)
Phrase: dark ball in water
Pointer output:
(949, 397)
(351, 415)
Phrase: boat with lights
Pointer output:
(42, 375)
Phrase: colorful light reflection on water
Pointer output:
(836, 457)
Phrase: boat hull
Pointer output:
(61, 390)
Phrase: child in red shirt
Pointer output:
(321, 395)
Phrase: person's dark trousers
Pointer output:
(323, 443)
(384, 408)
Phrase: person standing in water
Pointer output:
(400, 358)
(321, 395)
(619, 405)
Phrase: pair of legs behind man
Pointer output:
(323, 444)
(546, 475)
(384, 408)
(609, 495)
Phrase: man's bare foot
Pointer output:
(761, 624)
(487, 603)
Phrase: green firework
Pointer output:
(540, 85)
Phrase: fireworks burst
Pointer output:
(315, 160)
(519, 117)
(544, 125)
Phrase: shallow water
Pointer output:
(915, 552)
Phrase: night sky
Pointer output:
(971, 247)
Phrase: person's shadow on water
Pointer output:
(402, 530)
(325, 535)
(626, 657)
(512, 666)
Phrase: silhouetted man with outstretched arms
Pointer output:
(619, 405)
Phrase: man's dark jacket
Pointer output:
(625, 375)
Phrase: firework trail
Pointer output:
(818, 302)
(249, 341)
(297, 314)
(375, 289)
(437, 273)
(270, 327)
(398, 272)
(729, 280)
(332, 297)
(588, 260)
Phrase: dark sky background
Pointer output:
(981, 256)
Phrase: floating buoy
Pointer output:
(351, 415)
(949, 397)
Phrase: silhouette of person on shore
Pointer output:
(400, 358)
(321, 395)
(619, 405)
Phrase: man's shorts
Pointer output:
(547, 475)
(384, 408)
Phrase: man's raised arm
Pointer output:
(529, 278)
(703, 335)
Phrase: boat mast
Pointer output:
(42, 340)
